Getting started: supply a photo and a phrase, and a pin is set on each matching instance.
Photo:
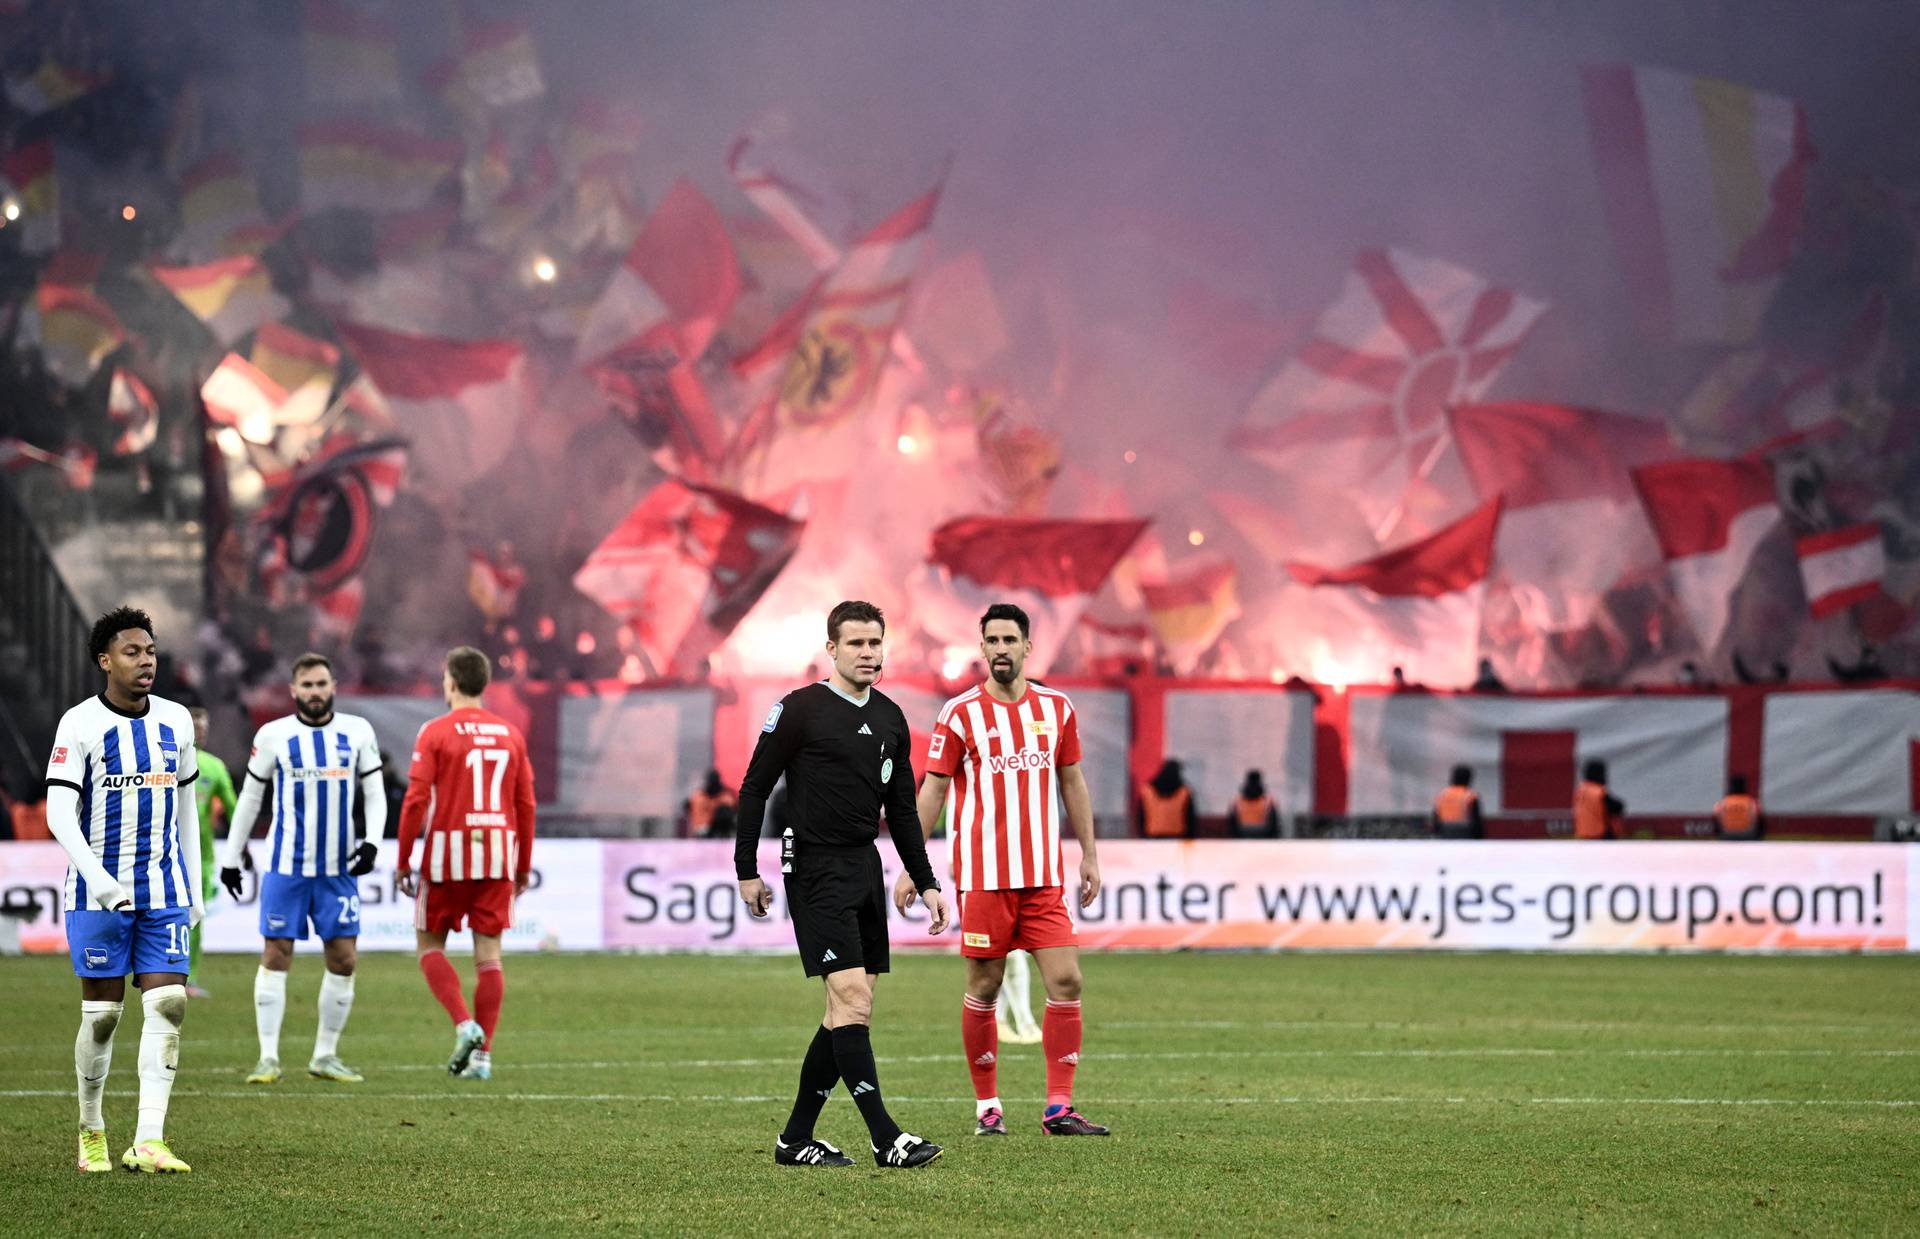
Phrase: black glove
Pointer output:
(362, 862)
(230, 878)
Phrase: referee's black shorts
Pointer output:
(839, 907)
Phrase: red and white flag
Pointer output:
(239, 394)
(1709, 517)
(1704, 187)
(232, 296)
(304, 367)
(1190, 610)
(459, 402)
(1049, 568)
(1573, 526)
(684, 567)
(675, 287)
(831, 351)
(785, 196)
(134, 413)
(1361, 407)
(1841, 567)
(1417, 606)
(494, 585)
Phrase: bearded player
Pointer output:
(1011, 751)
(470, 802)
(317, 759)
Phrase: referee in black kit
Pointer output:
(843, 746)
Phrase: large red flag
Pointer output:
(458, 401)
(1050, 568)
(684, 567)
(1709, 516)
(1573, 527)
(1417, 606)
(674, 289)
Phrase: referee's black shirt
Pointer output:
(844, 763)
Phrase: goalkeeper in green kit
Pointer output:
(215, 787)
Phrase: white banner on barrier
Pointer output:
(1840, 752)
(1665, 755)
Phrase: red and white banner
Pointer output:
(1841, 567)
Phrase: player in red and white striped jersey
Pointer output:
(470, 801)
(1010, 751)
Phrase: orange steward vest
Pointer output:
(1454, 805)
(1590, 817)
(1166, 816)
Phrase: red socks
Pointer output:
(1060, 1038)
(980, 1034)
(491, 985)
(445, 984)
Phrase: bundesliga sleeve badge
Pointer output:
(773, 716)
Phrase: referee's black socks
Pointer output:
(819, 1071)
(853, 1050)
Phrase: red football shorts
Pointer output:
(1031, 918)
(443, 907)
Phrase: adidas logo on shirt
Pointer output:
(862, 1087)
(864, 730)
(828, 958)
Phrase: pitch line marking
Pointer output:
(782, 1098)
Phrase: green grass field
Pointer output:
(1363, 1094)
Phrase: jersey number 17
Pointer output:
(477, 761)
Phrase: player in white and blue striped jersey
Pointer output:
(318, 762)
(118, 802)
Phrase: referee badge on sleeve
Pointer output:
(773, 716)
(886, 770)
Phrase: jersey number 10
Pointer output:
(477, 761)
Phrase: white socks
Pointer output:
(269, 1008)
(92, 1055)
(336, 1000)
(981, 1107)
(166, 1009)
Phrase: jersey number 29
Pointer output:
(487, 799)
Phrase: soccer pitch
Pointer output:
(1363, 1094)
